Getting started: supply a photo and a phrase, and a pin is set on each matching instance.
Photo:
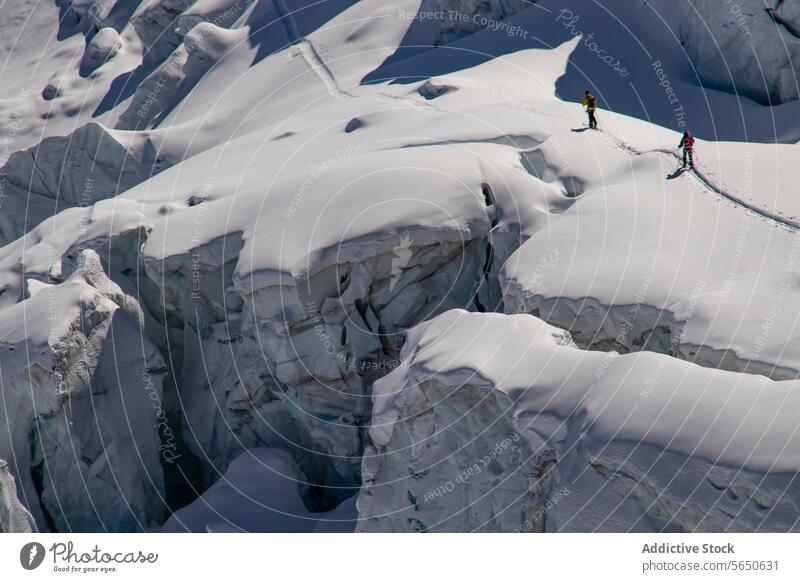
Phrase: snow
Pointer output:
(259, 493)
(543, 375)
(14, 518)
(662, 247)
(763, 174)
(275, 201)
(81, 393)
(591, 410)
(637, 37)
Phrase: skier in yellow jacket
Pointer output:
(590, 103)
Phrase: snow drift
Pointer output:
(515, 429)
(241, 216)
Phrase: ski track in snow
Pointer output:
(315, 62)
(709, 184)
(306, 49)
(321, 56)
(311, 54)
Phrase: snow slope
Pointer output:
(679, 265)
(259, 493)
(280, 194)
(637, 58)
(517, 429)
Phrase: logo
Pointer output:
(402, 256)
(31, 555)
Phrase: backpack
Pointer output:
(592, 102)
(688, 142)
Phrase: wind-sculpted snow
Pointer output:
(662, 280)
(286, 313)
(265, 201)
(500, 423)
(202, 47)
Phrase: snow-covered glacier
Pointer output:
(79, 385)
(517, 429)
(275, 265)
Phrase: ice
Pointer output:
(518, 429)
(267, 201)
(663, 281)
(14, 517)
(722, 43)
(260, 493)
(82, 386)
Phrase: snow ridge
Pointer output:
(287, 269)
(791, 225)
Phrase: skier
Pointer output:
(687, 143)
(591, 105)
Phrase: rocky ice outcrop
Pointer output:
(90, 12)
(442, 459)
(14, 517)
(157, 29)
(152, 24)
(290, 365)
(499, 423)
(728, 41)
(103, 47)
(181, 40)
(280, 266)
(82, 397)
(91, 164)
(202, 47)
